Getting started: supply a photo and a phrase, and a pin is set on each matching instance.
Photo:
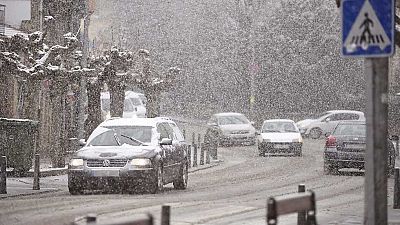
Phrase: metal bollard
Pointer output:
(208, 151)
(36, 173)
(189, 152)
(91, 218)
(165, 214)
(193, 138)
(3, 175)
(194, 155)
(396, 194)
(301, 216)
(202, 146)
(199, 140)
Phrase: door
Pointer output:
(168, 151)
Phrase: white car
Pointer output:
(279, 136)
(327, 121)
(133, 105)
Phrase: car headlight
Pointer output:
(141, 162)
(76, 162)
(298, 140)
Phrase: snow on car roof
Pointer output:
(345, 111)
(132, 122)
(228, 114)
(279, 120)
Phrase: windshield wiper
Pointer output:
(116, 139)
(133, 139)
(272, 131)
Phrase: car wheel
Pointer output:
(315, 133)
(330, 169)
(157, 183)
(74, 187)
(181, 182)
(260, 151)
(299, 152)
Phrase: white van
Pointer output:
(133, 105)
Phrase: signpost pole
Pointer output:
(375, 211)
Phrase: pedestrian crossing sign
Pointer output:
(367, 28)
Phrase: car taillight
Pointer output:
(330, 141)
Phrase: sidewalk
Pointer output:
(55, 179)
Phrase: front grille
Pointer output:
(100, 163)
(240, 132)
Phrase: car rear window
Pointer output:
(350, 129)
(226, 120)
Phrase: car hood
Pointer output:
(233, 127)
(109, 152)
(280, 137)
(305, 123)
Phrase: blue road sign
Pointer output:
(367, 28)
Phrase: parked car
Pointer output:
(124, 153)
(231, 128)
(279, 136)
(133, 105)
(325, 122)
(345, 148)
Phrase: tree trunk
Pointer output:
(94, 108)
(117, 98)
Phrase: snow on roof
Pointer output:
(9, 32)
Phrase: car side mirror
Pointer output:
(166, 141)
(212, 124)
(395, 137)
(82, 142)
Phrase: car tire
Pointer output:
(182, 181)
(157, 184)
(74, 187)
(299, 152)
(315, 133)
(330, 169)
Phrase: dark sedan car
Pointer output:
(126, 153)
(345, 148)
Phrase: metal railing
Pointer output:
(2, 19)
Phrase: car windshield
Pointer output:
(350, 129)
(279, 127)
(136, 101)
(116, 136)
(227, 120)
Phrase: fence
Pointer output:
(201, 152)
(2, 19)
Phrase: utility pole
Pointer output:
(85, 53)
(362, 20)
(375, 211)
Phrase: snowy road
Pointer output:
(234, 192)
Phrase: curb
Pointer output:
(43, 173)
(36, 192)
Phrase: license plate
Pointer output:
(105, 173)
(281, 146)
(356, 146)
